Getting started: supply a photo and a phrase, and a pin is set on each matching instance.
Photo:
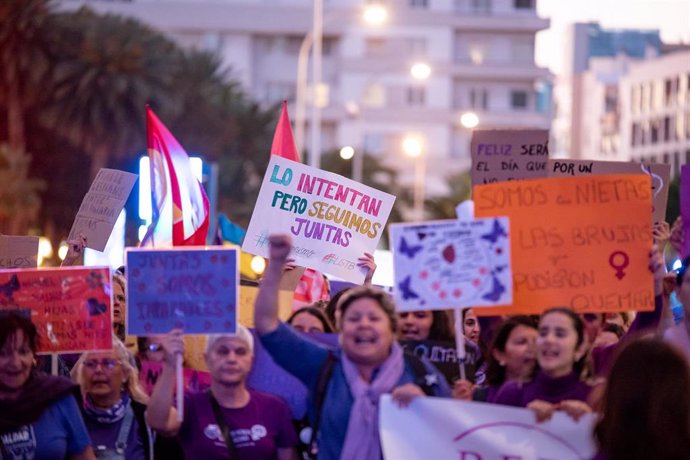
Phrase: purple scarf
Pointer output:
(362, 438)
(110, 415)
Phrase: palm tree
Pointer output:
(443, 207)
(19, 198)
(23, 66)
(108, 69)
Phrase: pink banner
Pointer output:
(194, 381)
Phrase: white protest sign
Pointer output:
(101, 206)
(452, 264)
(18, 251)
(332, 220)
(437, 428)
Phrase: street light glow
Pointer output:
(347, 152)
(375, 15)
(469, 120)
(412, 145)
(420, 71)
(258, 264)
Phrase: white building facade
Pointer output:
(481, 54)
(655, 110)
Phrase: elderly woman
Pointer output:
(114, 403)
(230, 420)
(370, 364)
(39, 417)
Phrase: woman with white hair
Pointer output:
(114, 403)
(229, 420)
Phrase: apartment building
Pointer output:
(480, 52)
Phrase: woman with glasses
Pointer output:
(39, 417)
(114, 403)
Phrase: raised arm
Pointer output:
(266, 306)
(75, 250)
(160, 415)
(367, 263)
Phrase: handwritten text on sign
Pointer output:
(18, 251)
(194, 381)
(504, 155)
(578, 242)
(191, 289)
(101, 207)
(332, 220)
(451, 263)
(435, 428)
(70, 306)
(660, 174)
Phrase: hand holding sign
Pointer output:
(75, 249)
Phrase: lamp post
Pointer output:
(413, 146)
(374, 15)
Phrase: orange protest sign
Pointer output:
(581, 242)
(71, 307)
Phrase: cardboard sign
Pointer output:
(71, 307)
(660, 174)
(332, 220)
(194, 381)
(581, 243)
(101, 206)
(685, 208)
(248, 297)
(192, 289)
(18, 251)
(451, 264)
(500, 155)
(438, 428)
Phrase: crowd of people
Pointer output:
(635, 373)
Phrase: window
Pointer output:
(480, 6)
(419, 4)
(416, 46)
(375, 47)
(416, 96)
(518, 99)
(374, 143)
(479, 98)
(523, 4)
(374, 95)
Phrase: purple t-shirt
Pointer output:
(552, 390)
(258, 429)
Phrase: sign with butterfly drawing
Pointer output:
(452, 264)
(70, 306)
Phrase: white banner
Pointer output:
(452, 264)
(436, 428)
(332, 220)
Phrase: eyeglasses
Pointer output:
(154, 347)
(106, 364)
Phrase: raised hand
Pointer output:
(367, 262)
(75, 249)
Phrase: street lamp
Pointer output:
(413, 146)
(420, 71)
(469, 120)
(373, 15)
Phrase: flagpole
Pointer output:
(317, 49)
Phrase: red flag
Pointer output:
(283, 142)
(179, 204)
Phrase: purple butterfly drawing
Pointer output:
(409, 251)
(497, 232)
(8, 289)
(406, 290)
(94, 307)
(497, 290)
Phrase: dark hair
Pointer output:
(579, 327)
(14, 322)
(441, 326)
(333, 306)
(646, 416)
(316, 312)
(681, 271)
(365, 292)
(613, 328)
(495, 373)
